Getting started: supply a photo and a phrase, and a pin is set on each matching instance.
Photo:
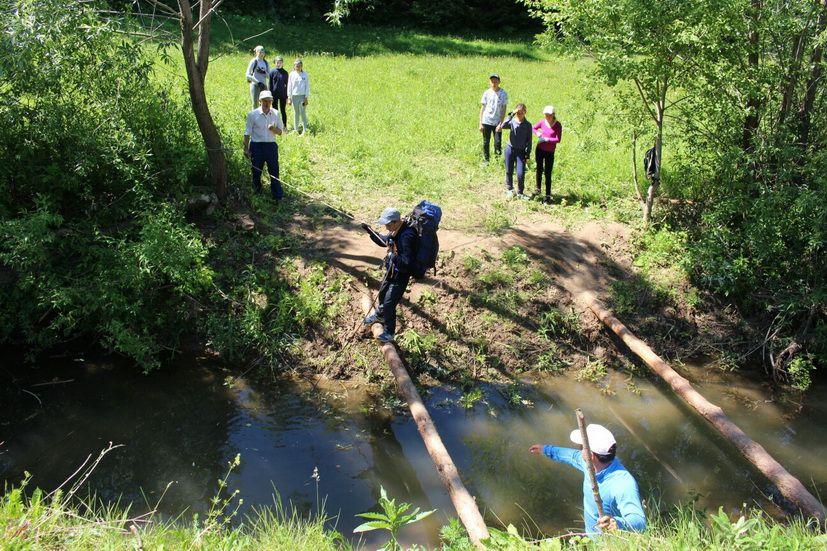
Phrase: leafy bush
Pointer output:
(97, 157)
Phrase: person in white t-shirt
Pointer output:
(257, 72)
(492, 113)
(298, 90)
(263, 125)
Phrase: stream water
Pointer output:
(181, 426)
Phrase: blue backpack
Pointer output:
(425, 219)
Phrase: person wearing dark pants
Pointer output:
(517, 150)
(492, 112)
(549, 131)
(263, 125)
(278, 87)
(401, 241)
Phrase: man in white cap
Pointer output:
(401, 242)
(263, 125)
(618, 490)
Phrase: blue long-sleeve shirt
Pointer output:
(618, 490)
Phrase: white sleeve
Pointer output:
(290, 80)
(307, 85)
(250, 69)
(248, 128)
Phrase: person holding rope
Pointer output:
(401, 242)
(618, 488)
(263, 125)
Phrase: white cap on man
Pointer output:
(265, 94)
(601, 439)
(389, 215)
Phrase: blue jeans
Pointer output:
(512, 157)
(389, 296)
(261, 153)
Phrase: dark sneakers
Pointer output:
(385, 337)
(373, 318)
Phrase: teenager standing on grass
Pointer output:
(517, 150)
(622, 509)
(492, 113)
(548, 132)
(278, 87)
(298, 90)
(257, 71)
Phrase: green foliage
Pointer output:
(392, 518)
(594, 371)
(515, 257)
(556, 324)
(33, 521)
(550, 362)
(470, 398)
(91, 238)
(418, 344)
(800, 372)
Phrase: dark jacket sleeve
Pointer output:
(406, 246)
(381, 240)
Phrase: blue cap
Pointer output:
(389, 215)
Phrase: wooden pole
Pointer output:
(789, 486)
(463, 502)
(587, 457)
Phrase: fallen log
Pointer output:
(463, 502)
(789, 486)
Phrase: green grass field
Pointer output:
(394, 118)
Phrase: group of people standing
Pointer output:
(549, 131)
(286, 88)
(271, 91)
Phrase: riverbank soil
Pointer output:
(501, 304)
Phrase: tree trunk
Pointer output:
(816, 72)
(789, 486)
(463, 502)
(196, 73)
(753, 59)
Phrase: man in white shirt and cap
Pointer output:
(263, 125)
(618, 489)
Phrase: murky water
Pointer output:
(181, 426)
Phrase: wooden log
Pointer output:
(789, 486)
(587, 457)
(463, 502)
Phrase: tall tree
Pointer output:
(649, 44)
(195, 47)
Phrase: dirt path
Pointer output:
(584, 259)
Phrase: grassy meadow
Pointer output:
(394, 118)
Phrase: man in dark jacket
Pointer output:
(401, 241)
(278, 87)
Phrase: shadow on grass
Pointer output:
(234, 34)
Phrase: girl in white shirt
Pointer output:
(298, 90)
(257, 71)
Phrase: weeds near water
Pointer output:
(392, 518)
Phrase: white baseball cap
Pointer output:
(600, 439)
(265, 94)
(548, 110)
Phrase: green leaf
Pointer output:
(372, 525)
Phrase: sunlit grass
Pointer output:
(394, 118)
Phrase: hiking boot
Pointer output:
(509, 194)
(536, 195)
(385, 337)
(522, 197)
(373, 318)
(547, 200)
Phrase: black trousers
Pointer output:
(545, 163)
(487, 130)
(390, 293)
(282, 108)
